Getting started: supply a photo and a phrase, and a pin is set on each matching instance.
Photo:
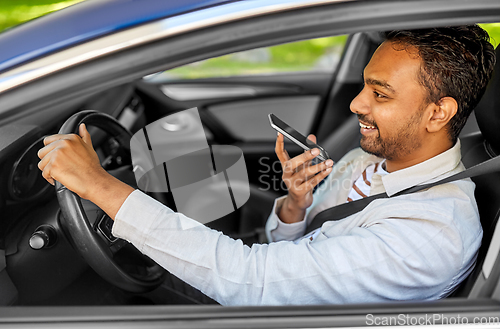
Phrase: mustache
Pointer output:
(364, 119)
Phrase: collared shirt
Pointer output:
(412, 247)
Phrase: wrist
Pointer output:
(95, 186)
(290, 212)
(109, 194)
(292, 205)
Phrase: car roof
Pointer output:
(84, 21)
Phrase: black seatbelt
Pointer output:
(346, 209)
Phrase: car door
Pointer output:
(234, 94)
(111, 71)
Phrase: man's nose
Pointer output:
(359, 104)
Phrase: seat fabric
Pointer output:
(476, 148)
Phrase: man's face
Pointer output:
(391, 105)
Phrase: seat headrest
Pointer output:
(488, 110)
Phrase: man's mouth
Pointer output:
(362, 125)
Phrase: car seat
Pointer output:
(476, 148)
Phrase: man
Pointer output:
(420, 87)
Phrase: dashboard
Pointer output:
(28, 201)
(25, 182)
(21, 179)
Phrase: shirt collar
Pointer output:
(424, 172)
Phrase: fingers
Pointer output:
(50, 143)
(52, 138)
(310, 184)
(293, 164)
(300, 160)
(298, 168)
(312, 138)
(44, 164)
(84, 134)
(311, 171)
(46, 174)
(297, 179)
(61, 148)
(301, 193)
(280, 149)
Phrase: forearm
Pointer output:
(108, 193)
(308, 272)
(222, 268)
(204, 258)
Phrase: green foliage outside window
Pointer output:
(15, 12)
(307, 55)
(494, 32)
(297, 56)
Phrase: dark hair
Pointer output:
(456, 62)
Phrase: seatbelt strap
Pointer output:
(346, 209)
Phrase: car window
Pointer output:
(15, 12)
(244, 118)
(321, 54)
(493, 30)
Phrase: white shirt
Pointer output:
(414, 247)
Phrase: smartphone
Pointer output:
(296, 137)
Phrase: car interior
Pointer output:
(56, 274)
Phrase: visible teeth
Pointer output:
(366, 127)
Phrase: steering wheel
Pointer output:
(102, 251)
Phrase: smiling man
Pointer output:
(411, 128)
(420, 87)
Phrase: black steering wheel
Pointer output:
(114, 259)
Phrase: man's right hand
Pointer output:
(300, 178)
(71, 160)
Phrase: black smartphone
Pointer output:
(296, 137)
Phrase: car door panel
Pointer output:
(235, 109)
(248, 120)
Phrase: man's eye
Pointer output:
(377, 95)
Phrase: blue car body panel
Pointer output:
(84, 21)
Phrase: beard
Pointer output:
(400, 143)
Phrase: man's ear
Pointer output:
(441, 113)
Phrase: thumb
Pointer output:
(84, 134)
(312, 138)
